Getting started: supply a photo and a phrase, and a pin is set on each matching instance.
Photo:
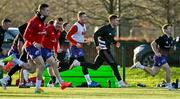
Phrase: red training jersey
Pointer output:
(35, 31)
(51, 39)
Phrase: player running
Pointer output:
(103, 38)
(160, 47)
(34, 35)
(76, 37)
(50, 42)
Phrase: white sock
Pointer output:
(169, 84)
(18, 61)
(59, 79)
(141, 67)
(26, 75)
(7, 78)
(121, 82)
(2, 64)
(88, 79)
(38, 84)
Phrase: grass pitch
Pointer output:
(90, 93)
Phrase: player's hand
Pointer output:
(78, 45)
(118, 45)
(98, 49)
(37, 45)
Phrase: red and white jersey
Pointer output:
(77, 33)
(81, 31)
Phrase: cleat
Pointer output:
(50, 85)
(74, 64)
(3, 83)
(94, 84)
(123, 85)
(23, 86)
(40, 90)
(136, 65)
(64, 85)
(170, 88)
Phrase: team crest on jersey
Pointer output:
(110, 34)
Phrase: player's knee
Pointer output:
(153, 74)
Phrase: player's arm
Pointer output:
(70, 33)
(96, 36)
(155, 48)
(28, 34)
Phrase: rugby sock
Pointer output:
(26, 75)
(2, 64)
(141, 66)
(53, 80)
(38, 84)
(7, 78)
(18, 61)
(169, 84)
(121, 82)
(88, 79)
(60, 79)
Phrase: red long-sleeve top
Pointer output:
(50, 40)
(35, 31)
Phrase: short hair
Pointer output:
(5, 20)
(42, 6)
(165, 26)
(60, 19)
(112, 17)
(51, 21)
(65, 24)
(80, 13)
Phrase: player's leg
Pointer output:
(47, 54)
(167, 69)
(111, 61)
(158, 63)
(23, 79)
(40, 69)
(53, 77)
(36, 55)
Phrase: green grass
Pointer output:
(137, 76)
(90, 93)
(132, 77)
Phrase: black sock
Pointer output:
(14, 70)
(53, 80)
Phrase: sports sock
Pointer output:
(7, 78)
(88, 79)
(18, 61)
(26, 75)
(38, 84)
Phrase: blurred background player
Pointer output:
(64, 53)
(6, 23)
(161, 48)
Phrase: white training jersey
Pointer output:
(81, 31)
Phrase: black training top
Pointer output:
(19, 37)
(104, 36)
(62, 39)
(2, 31)
(165, 43)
